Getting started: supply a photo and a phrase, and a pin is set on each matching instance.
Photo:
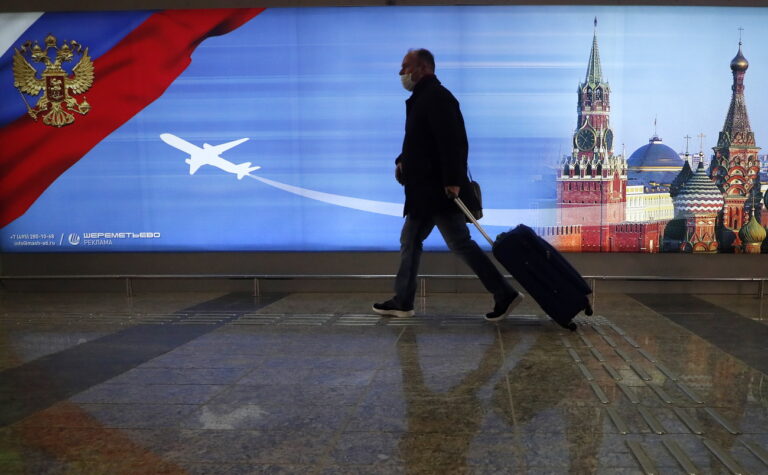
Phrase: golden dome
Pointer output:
(739, 62)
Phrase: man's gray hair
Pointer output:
(425, 57)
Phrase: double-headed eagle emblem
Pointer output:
(59, 88)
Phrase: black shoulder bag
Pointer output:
(475, 198)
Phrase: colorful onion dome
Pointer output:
(739, 62)
(698, 196)
(752, 232)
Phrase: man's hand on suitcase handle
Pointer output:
(452, 191)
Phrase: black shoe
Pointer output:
(504, 307)
(389, 309)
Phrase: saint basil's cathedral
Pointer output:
(655, 201)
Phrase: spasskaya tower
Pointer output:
(592, 182)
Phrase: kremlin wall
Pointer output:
(657, 200)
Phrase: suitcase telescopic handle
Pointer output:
(469, 215)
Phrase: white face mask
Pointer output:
(407, 82)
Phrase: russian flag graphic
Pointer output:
(136, 57)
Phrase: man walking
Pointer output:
(433, 168)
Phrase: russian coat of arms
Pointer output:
(58, 86)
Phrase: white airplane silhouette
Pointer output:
(209, 155)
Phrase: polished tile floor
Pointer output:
(314, 383)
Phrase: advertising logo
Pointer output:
(74, 239)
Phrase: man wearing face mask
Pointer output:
(433, 167)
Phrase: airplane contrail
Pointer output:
(371, 206)
(491, 217)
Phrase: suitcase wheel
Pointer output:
(572, 326)
(588, 310)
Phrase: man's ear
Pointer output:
(423, 70)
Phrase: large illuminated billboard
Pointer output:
(277, 129)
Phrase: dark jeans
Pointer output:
(454, 230)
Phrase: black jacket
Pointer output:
(435, 150)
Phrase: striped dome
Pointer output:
(699, 196)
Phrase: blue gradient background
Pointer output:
(317, 92)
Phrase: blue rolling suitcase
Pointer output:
(542, 271)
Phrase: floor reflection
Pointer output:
(545, 404)
(237, 386)
(442, 424)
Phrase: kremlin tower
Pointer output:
(592, 182)
(735, 167)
